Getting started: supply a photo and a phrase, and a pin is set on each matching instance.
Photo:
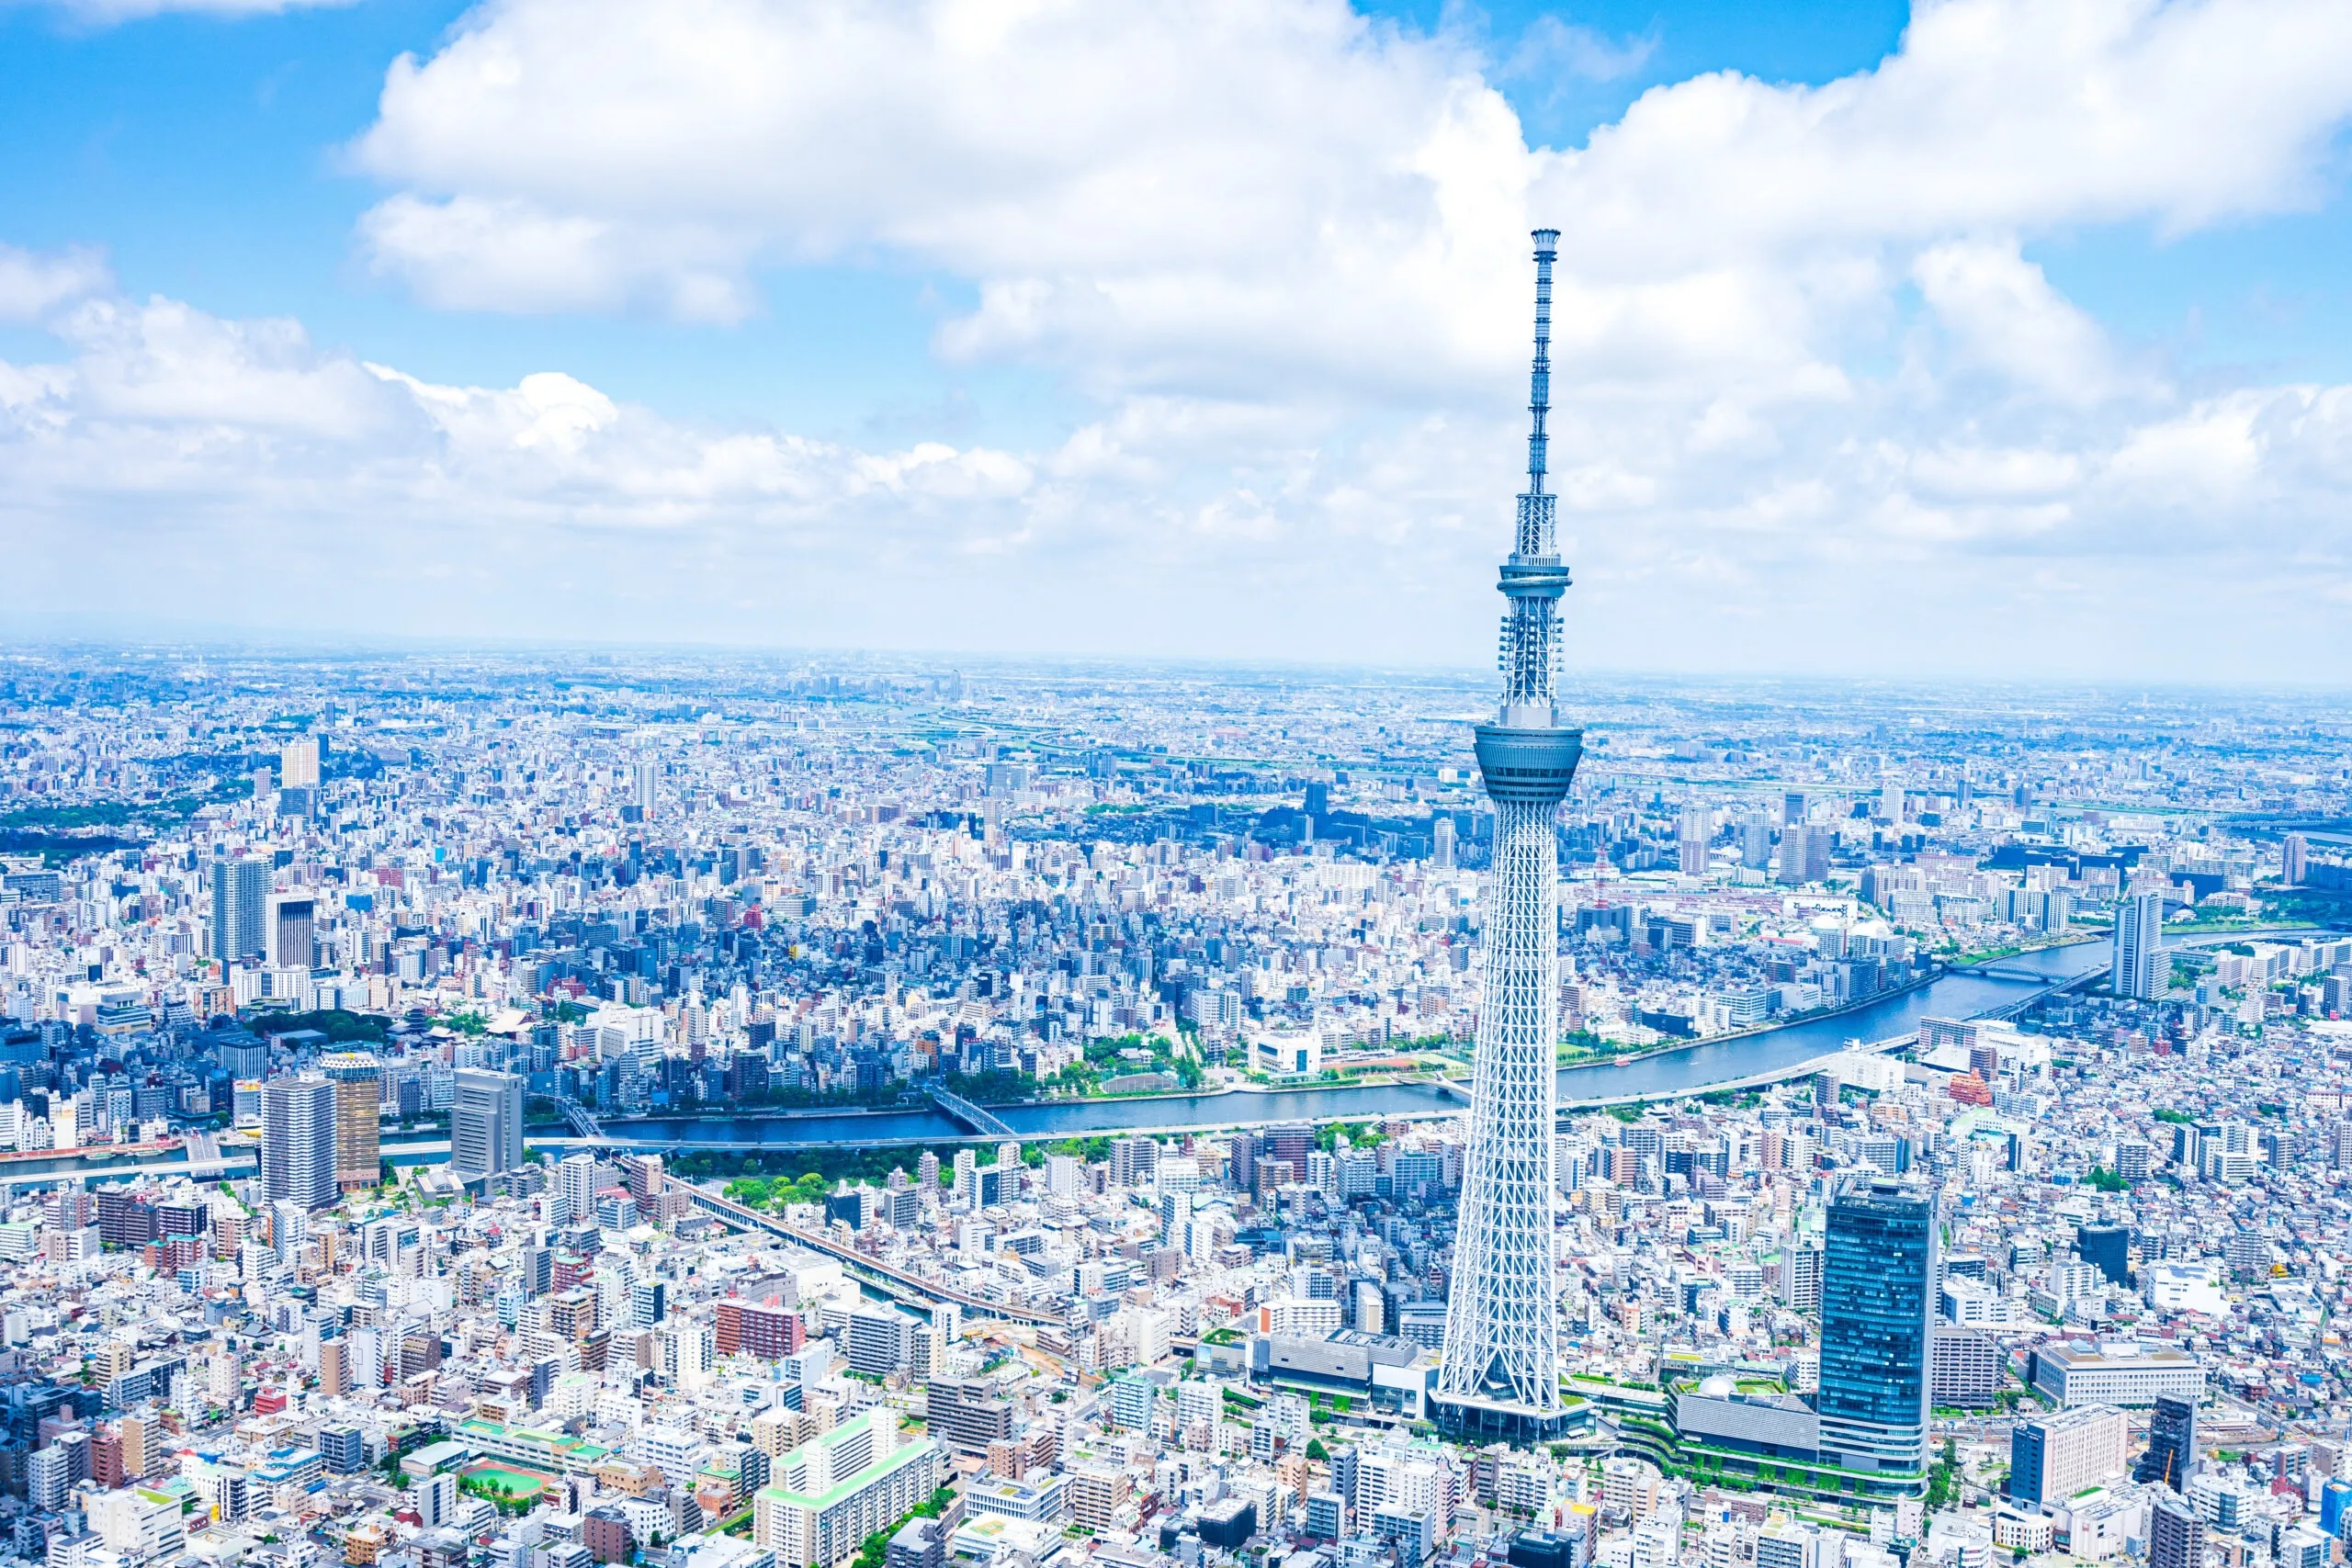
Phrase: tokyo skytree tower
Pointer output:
(1501, 1371)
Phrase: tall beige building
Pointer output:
(335, 1368)
(298, 764)
(2053, 1457)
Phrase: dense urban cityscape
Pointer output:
(541, 1111)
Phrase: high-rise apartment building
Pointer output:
(298, 1142)
(486, 1124)
(573, 1195)
(1805, 854)
(647, 773)
(2139, 967)
(298, 763)
(2176, 1533)
(1500, 1377)
(239, 890)
(2294, 856)
(1877, 1306)
(358, 1078)
(1698, 832)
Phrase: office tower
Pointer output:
(2293, 856)
(286, 931)
(646, 774)
(2140, 968)
(1545, 1549)
(2108, 1247)
(2171, 1458)
(486, 1124)
(358, 1112)
(2175, 1534)
(1877, 1303)
(1501, 1372)
(1755, 843)
(1792, 808)
(298, 1141)
(298, 764)
(239, 888)
(1698, 832)
(2053, 1457)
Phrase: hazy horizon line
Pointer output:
(199, 640)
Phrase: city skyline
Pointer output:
(822, 1081)
(1840, 390)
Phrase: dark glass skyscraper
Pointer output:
(2171, 1458)
(1877, 1300)
(2108, 1249)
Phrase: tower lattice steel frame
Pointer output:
(1501, 1371)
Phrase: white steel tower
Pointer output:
(1501, 1372)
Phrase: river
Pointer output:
(1689, 1069)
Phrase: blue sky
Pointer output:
(244, 166)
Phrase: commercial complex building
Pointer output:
(486, 1124)
(2119, 1373)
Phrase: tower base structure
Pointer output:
(1479, 1419)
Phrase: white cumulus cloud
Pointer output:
(32, 285)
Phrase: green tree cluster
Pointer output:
(762, 1192)
(1943, 1478)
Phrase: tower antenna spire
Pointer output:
(1539, 379)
